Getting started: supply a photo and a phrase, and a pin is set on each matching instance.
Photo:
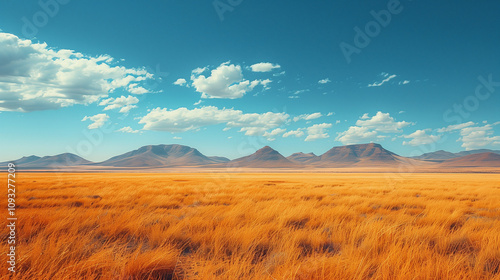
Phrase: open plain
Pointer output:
(256, 226)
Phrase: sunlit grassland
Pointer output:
(256, 226)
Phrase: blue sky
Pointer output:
(99, 78)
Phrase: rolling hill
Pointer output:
(474, 160)
(444, 155)
(265, 158)
(62, 160)
(303, 158)
(358, 155)
(169, 156)
(161, 155)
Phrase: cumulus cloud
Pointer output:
(324, 81)
(265, 83)
(318, 131)
(271, 136)
(307, 117)
(382, 122)
(357, 135)
(420, 137)
(226, 81)
(136, 89)
(296, 133)
(199, 70)
(97, 120)
(472, 135)
(386, 79)
(476, 137)
(180, 82)
(128, 129)
(183, 119)
(124, 103)
(35, 77)
(455, 127)
(368, 129)
(264, 67)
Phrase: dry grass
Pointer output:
(257, 226)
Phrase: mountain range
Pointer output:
(361, 155)
(162, 155)
(444, 155)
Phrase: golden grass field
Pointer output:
(256, 226)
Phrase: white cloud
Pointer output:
(476, 137)
(297, 133)
(226, 81)
(356, 135)
(420, 137)
(307, 117)
(324, 81)
(265, 83)
(180, 82)
(297, 92)
(318, 131)
(35, 77)
(125, 103)
(454, 127)
(199, 70)
(405, 82)
(98, 120)
(177, 138)
(136, 89)
(198, 102)
(183, 119)
(473, 136)
(382, 122)
(128, 129)
(271, 136)
(368, 129)
(330, 114)
(264, 67)
(279, 74)
(387, 79)
(127, 108)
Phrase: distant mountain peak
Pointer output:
(264, 157)
(303, 157)
(488, 159)
(359, 154)
(441, 155)
(161, 155)
(266, 150)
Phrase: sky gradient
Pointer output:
(228, 77)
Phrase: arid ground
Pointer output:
(256, 226)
